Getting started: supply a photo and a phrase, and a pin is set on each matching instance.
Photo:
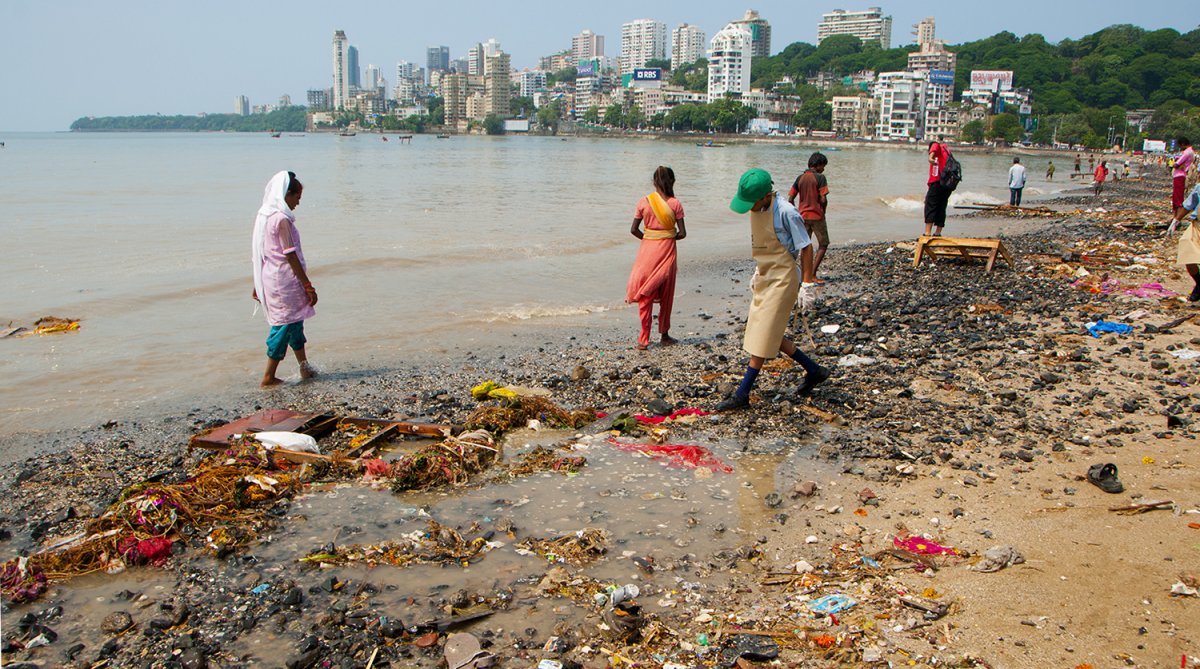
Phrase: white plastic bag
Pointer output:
(293, 441)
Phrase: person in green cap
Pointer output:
(777, 238)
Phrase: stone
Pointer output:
(116, 622)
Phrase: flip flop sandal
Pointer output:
(1105, 478)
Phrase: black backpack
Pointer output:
(951, 173)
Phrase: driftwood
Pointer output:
(1143, 507)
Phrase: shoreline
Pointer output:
(985, 404)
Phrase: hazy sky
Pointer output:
(62, 59)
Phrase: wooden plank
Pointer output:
(263, 421)
(984, 249)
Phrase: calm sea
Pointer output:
(413, 247)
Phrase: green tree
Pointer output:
(1006, 127)
(592, 115)
(549, 115)
(972, 132)
(493, 125)
(522, 106)
(437, 110)
(663, 64)
(814, 114)
(613, 116)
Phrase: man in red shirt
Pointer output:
(938, 196)
(813, 190)
(1100, 174)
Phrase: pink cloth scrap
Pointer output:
(658, 420)
(922, 546)
(1150, 290)
(677, 455)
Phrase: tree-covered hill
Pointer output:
(1078, 84)
(289, 119)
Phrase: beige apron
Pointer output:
(774, 290)
(1189, 245)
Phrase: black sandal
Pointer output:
(1105, 478)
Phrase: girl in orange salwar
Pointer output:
(653, 276)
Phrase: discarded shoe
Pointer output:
(734, 402)
(814, 379)
(1104, 477)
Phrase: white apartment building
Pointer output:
(902, 99)
(760, 33)
(586, 46)
(925, 31)
(869, 25)
(532, 81)
(729, 62)
(341, 70)
(241, 105)
(687, 45)
(642, 40)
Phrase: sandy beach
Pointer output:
(933, 492)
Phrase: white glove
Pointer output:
(1171, 227)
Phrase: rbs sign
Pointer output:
(647, 74)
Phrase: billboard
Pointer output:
(647, 74)
(941, 77)
(992, 80)
(585, 70)
(1154, 145)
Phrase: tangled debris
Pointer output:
(437, 544)
(518, 411)
(586, 545)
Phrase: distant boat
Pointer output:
(276, 135)
(443, 136)
(299, 135)
(346, 133)
(709, 145)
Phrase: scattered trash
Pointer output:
(999, 557)
(437, 544)
(831, 329)
(923, 546)
(518, 411)
(831, 604)
(1100, 326)
(290, 440)
(462, 651)
(1104, 477)
(1185, 353)
(676, 415)
(753, 647)
(623, 614)
(55, 325)
(1181, 589)
(1150, 290)
(854, 360)
(583, 547)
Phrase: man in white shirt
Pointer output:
(1016, 182)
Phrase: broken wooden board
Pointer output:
(961, 247)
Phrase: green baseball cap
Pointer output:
(753, 185)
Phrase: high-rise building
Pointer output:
(760, 33)
(869, 25)
(241, 105)
(729, 62)
(405, 70)
(532, 81)
(586, 46)
(285, 101)
(688, 44)
(341, 72)
(475, 59)
(497, 87)
(318, 99)
(352, 67)
(642, 40)
(374, 78)
(924, 31)
(437, 59)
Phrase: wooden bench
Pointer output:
(961, 247)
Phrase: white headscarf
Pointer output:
(272, 203)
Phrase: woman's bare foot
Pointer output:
(271, 381)
(643, 347)
(307, 371)
(667, 340)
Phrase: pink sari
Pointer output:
(653, 274)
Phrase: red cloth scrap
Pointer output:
(656, 420)
(677, 455)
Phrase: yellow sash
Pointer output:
(665, 216)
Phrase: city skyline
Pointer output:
(133, 58)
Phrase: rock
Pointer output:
(305, 660)
(773, 500)
(806, 489)
(117, 622)
(580, 373)
(659, 407)
(193, 658)
(999, 557)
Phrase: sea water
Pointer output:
(415, 248)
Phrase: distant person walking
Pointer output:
(1091, 163)
(777, 238)
(1050, 171)
(937, 196)
(1100, 174)
(1078, 158)
(810, 195)
(1016, 182)
(653, 276)
(281, 282)
(1188, 252)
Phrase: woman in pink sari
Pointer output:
(653, 276)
